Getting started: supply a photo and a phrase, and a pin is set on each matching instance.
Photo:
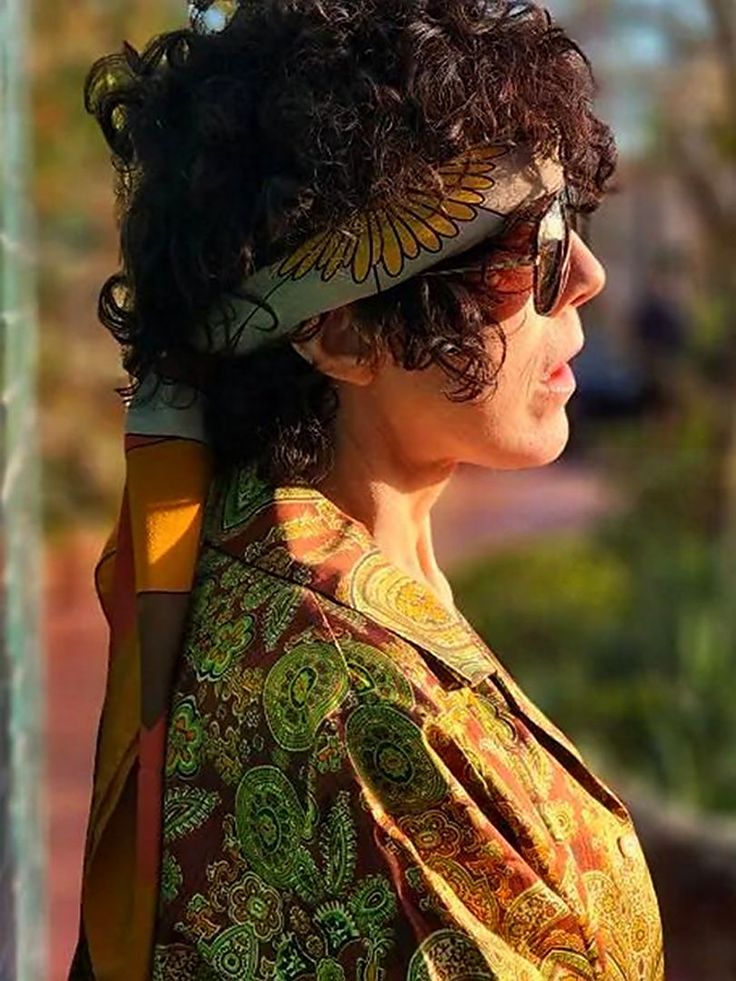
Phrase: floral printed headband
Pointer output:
(374, 251)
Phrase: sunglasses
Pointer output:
(536, 238)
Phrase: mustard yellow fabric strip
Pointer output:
(153, 550)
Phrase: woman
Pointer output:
(349, 265)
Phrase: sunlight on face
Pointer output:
(523, 423)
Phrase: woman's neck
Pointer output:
(394, 503)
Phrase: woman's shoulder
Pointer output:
(243, 615)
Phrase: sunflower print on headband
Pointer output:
(389, 234)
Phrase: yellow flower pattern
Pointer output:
(392, 232)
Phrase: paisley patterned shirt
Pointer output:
(355, 788)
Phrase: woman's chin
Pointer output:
(544, 445)
(556, 444)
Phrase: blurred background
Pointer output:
(606, 582)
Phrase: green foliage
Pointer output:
(625, 637)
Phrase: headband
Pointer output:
(385, 245)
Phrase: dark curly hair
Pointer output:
(231, 149)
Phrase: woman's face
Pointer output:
(522, 424)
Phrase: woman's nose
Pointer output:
(586, 278)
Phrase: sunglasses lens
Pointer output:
(552, 248)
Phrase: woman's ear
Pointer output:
(336, 348)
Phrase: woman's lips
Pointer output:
(561, 380)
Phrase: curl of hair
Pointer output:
(230, 149)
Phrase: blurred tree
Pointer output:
(73, 181)
(678, 60)
(695, 138)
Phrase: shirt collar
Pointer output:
(299, 534)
